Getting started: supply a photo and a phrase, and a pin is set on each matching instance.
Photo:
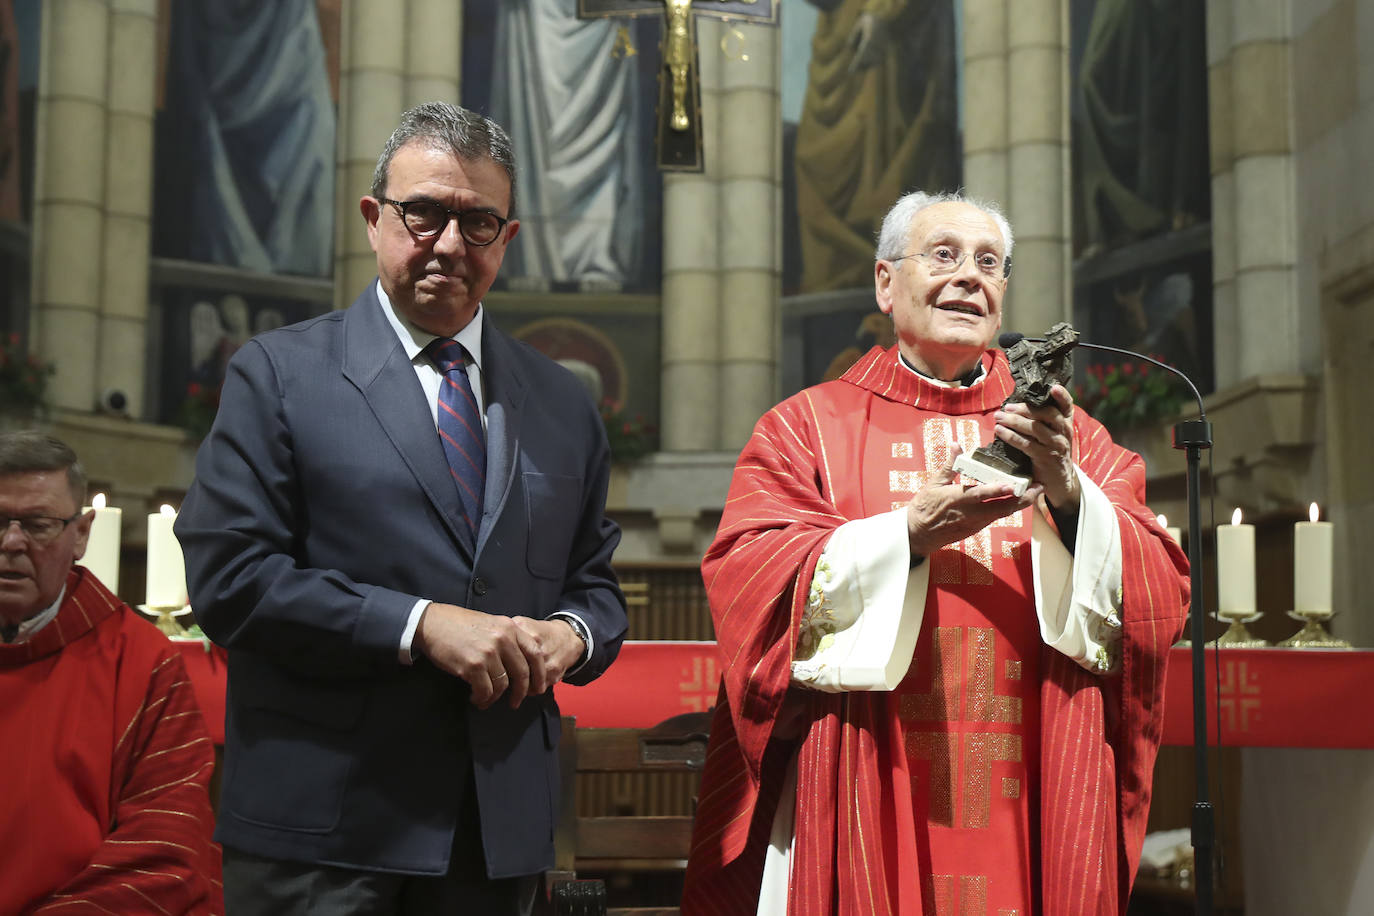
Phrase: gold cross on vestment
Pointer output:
(678, 131)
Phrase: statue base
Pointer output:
(970, 466)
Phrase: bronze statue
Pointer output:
(1036, 366)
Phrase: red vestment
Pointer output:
(106, 768)
(801, 476)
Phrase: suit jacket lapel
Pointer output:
(376, 364)
(505, 402)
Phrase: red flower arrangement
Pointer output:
(631, 438)
(1124, 396)
(23, 377)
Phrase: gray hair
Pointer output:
(28, 451)
(440, 125)
(892, 238)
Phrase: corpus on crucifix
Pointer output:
(678, 131)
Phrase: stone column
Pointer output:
(1037, 197)
(122, 338)
(1258, 324)
(69, 195)
(372, 94)
(692, 231)
(433, 51)
(749, 201)
(985, 92)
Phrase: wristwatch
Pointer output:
(580, 629)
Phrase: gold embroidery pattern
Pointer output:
(956, 895)
(941, 704)
(903, 450)
(983, 702)
(980, 752)
(978, 549)
(1011, 550)
(1011, 787)
(905, 481)
(818, 619)
(974, 890)
(938, 749)
(1013, 670)
(941, 895)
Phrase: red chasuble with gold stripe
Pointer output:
(106, 767)
(1000, 777)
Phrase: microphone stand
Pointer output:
(1192, 436)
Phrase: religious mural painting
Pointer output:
(577, 96)
(212, 324)
(245, 137)
(580, 280)
(870, 99)
(19, 30)
(244, 156)
(1142, 198)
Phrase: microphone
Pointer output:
(1010, 338)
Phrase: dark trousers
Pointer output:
(254, 886)
(267, 887)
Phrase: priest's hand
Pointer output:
(945, 511)
(1045, 434)
(493, 653)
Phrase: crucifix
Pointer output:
(678, 131)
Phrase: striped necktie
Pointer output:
(460, 427)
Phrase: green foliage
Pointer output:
(23, 377)
(1124, 396)
(631, 438)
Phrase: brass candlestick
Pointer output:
(1236, 635)
(1313, 634)
(165, 619)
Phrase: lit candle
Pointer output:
(1236, 568)
(102, 547)
(1312, 565)
(166, 567)
(1171, 532)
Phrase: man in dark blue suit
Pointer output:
(400, 594)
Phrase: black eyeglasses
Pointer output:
(41, 529)
(426, 219)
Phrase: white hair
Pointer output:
(892, 238)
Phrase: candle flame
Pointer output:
(168, 510)
(1163, 522)
(98, 501)
(1235, 516)
(1313, 512)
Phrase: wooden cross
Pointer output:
(679, 92)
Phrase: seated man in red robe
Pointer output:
(939, 698)
(107, 761)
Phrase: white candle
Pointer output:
(166, 567)
(1171, 532)
(1236, 568)
(1312, 565)
(102, 547)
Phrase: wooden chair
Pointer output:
(621, 843)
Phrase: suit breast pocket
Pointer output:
(553, 507)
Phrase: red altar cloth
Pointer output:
(1275, 698)
(1268, 697)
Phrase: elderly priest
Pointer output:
(107, 760)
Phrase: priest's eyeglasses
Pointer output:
(40, 529)
(943, 260)
(426, 219)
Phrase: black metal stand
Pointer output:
(1193, 436)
